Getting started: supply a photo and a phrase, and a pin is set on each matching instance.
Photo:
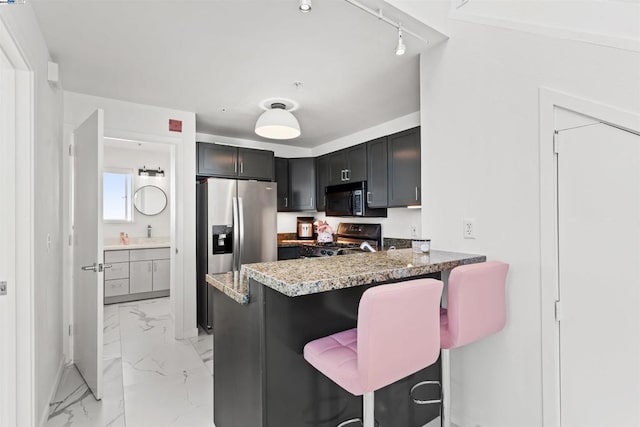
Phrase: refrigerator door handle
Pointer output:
(241, 232)
(236, 232)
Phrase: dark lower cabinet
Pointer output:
(404, 168)
(322, 180)
(377, 173)
(261, 378)
(288, 252)
(282, 179)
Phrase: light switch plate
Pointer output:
(3, 288)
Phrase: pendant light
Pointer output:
(277, 123)
(304, 6)
(400, 48)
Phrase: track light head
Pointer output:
(304, 6)
(400, 47)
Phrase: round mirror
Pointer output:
(150, 200)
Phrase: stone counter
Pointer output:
(314, 275)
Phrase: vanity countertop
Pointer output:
(113, 244)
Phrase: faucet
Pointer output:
(149, 228)
(367, 246)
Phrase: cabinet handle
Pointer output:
(149, 267)
(235, 167)
(311, 201)
(416, 194)
(348, 174)
(155, 267)
(286, 202)
(241, 167)
(368, 197)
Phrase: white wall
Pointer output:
(23, 24)
(129, 121)
(480, 159)
(134, 158)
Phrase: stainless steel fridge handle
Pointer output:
(241, 233)
(236, 230)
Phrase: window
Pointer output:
(116, 196)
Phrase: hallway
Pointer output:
(150, 379)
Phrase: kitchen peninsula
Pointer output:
(265, 315)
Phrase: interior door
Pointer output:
(88, 291)
(8, 284)
(599, 276)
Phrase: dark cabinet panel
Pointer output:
(348, 165)
(404, 168)
(225, 161)
(322, 180)
(255, 164)
(377, 173)
(357, 163)
(217, 160)
(337, 167)
(288, 252)
(282, 179)
(302, 184)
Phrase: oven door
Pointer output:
(339, 203)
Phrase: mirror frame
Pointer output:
(166, 200)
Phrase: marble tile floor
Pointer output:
(150, 379)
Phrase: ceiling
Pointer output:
(221, 58)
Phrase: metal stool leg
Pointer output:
(368, 413)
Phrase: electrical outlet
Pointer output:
(469, 228)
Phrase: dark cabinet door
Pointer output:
(357, 163)
(337, 167)
(377, 173)
(282, 179)
(404, 168)
(217, 160)
(255, 164)
(322, 180)
(302, 184)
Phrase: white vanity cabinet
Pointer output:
(136, 274)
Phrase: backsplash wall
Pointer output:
(133, 157)
(397, 224)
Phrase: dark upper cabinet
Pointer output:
(302, 184)
(322, 180)
(217, 160)
(282, 179)
(404, 168)
(377, 173)
(255, 164)
(225, 161)
(348, 165)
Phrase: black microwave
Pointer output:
(350, 200)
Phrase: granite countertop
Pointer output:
(113, 244)
(235, 286)
(313, 275)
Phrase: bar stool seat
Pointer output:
(398, 334)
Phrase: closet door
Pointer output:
(599, 276)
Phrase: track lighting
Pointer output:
(304, 6)
(400, 48)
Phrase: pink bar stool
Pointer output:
(398, 334)
(475, 309)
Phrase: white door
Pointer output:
(7, 245)
(88, 291)
(599, 276)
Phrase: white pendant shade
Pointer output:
(277, 123)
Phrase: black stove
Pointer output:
(349, 237)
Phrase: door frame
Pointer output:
(549, 101)
(176, 227)
(24, 397)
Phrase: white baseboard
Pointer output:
(44, 416)
(192, 333)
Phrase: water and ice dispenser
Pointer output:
(222, 239)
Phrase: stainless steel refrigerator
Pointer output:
(236, 225)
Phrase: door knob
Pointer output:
(93, 268)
